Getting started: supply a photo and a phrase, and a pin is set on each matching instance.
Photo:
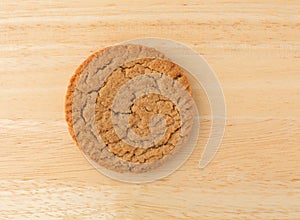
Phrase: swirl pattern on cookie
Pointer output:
(112, 103)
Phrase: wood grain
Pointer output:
(254, 48)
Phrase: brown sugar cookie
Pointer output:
(150, 87)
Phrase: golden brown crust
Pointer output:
(103, 157)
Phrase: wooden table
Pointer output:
(254, 48)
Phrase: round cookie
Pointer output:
(88, 108)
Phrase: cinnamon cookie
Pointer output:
(129, 109)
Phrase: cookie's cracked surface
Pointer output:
(96, 107)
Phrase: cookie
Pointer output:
(109, 96)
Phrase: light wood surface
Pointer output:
(254, 48)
